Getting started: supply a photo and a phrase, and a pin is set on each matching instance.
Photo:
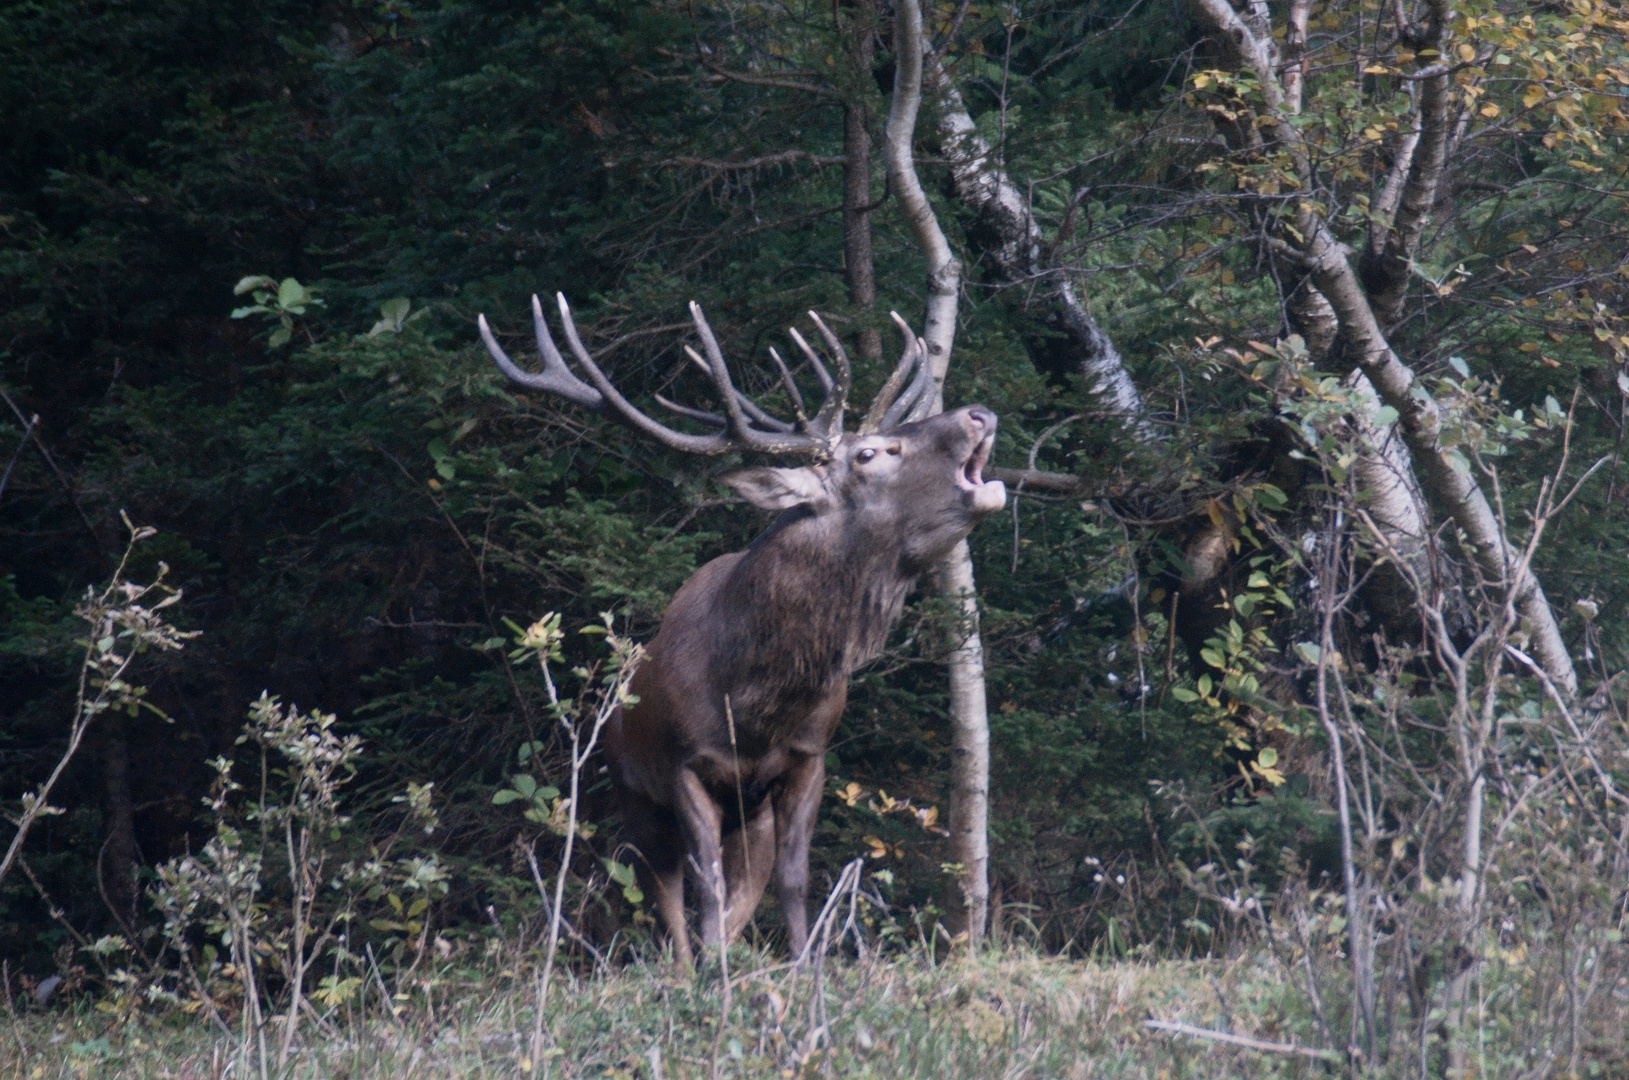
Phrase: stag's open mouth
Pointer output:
(988, 495)
(972, 475)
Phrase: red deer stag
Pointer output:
(721, 763)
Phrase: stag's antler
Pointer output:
(745, 425)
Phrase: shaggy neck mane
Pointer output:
(807, 604)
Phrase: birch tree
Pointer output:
(1302, 237)
(969, 711)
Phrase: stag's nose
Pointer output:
(983, 419)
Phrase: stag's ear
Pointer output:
(776, 489)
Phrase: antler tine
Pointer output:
(833, 407)
(784, 441)
(917, 399)
(556, 378)
(676, 440)
(695, 414)
(897, 379)
(826, 381)
(748, 406)
(820, 424)
(914, 403)
(885, 409)
(791, 386)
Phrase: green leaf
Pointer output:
(291, 294)
(280, 337)
(1183, 694)
(505, 796)
(1307, 651)
(1385, 416)
(252, 282)
(1270, 497)
(1267, 757)
(525, 785)
(1459, 365)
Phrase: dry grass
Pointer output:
(1002, 1014)
(1006, 1015)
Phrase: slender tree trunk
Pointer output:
(969, 718)
(116, 868)
(858, 265)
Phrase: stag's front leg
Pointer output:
(796, 808)
(749, 860)
(703, 822)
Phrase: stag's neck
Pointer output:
(804, 610)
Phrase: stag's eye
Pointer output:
(865, 455)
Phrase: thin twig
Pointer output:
(1175, 1027)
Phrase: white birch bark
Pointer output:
(1440, 472)
(985, 187)
(969, 716)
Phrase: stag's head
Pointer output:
(916, 487)
(904, 479)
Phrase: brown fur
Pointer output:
(720, 765)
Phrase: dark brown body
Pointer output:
(720, 764)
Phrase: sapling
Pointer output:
(126, 620)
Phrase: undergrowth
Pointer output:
(1003, 1013)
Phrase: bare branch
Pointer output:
(1176, 1027)
(784, 157)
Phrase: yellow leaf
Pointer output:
(1467, 51)
(1490, 110)
(1376, 69)
(1201, 81)
(1528, 346)
(1532, 95)
(1227, 277)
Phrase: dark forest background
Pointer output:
(354, 507)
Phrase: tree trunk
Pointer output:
(858, 266)
(1442, 472)
(1015, 255)
(116, 867)
(969, 719)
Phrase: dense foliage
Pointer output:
(358, 509)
